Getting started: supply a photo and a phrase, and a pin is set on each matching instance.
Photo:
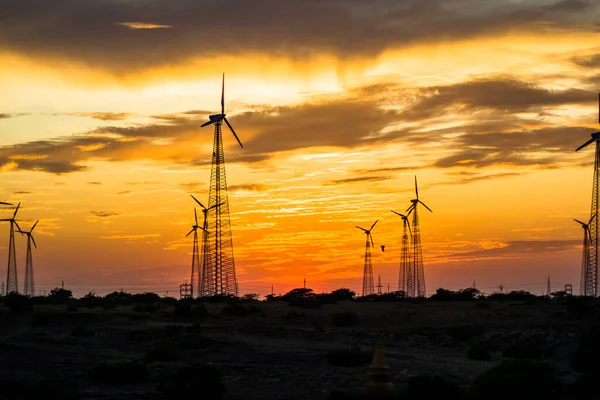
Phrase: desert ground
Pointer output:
(269, 350)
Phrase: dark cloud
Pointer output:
(89, 31)
(359, 180)
(473, 177)
(517, 249)
(8, 115)
(103, 214)
(590, 61)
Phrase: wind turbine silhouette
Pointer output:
(221, 265)
(416, 280)
(405, 264)
(203, 282)
(29, 288)
(591, 278)
(12, 283)
(368, 285)
(585, 259)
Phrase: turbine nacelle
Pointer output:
(219, 118)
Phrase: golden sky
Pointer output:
(339, 105)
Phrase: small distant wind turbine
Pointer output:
(12, 283)
(368, 284)
(585, 259)
(195, 256)
(418, 269)
(29, 289)
(405, 275)
(204, 281)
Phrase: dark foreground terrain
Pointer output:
(271, 350)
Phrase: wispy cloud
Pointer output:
(104, 214)
(142, 25)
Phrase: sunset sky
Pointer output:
(339, 104)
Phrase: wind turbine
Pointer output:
(206, 280)
(585, 259)
(221, 263)
(195, 256)
(591, 278)
(405, 275)
(418, 271)
(29, 288)
(368, 285)
(12, 283)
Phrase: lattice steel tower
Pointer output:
(29, 288)
(206, 278)
(220, 268)
(368, 287)
(585, 258)
(405, 274)
(416, 278)
(195, 290)
(590, 281)
(12, 282)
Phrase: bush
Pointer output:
(480, 352)
(517, 380)
(522, 351)
(18, 304)
(427, 387)
(145, 298)
(81, 331)
(119, 373)
(344, 319)
(189, 381)
(169, 301)
(173, 330)
(90, 300)
(165, 352)
(349, 357)
(235, 310)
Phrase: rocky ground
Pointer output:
(274, 351)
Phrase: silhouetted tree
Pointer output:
(59, 295)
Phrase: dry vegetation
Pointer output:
(271, 350)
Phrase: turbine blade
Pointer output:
(6, 204)
(33, 240)
(216, 205)
(416, 188)
(409, 209)
(207, 123)
(193, 229)
(223, 95)
(18, 227)
(232, 131)
(201, 205)
(362, 229)
(371, 236)
(373, 226)
(576, 220)
(34, 225)
(591, 219)
(207, 232)
(408, 223)
(16, 210)
(195, 216)
(425, 205)
(585, 144)
(396, 213)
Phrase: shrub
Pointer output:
(81, 331)
(235, 310)
(18, 304)
(522, 351)
(169, 301)
(480, 352)
(190, 380)
(517, 380)
(427, 387)
(119, 373)
(173, 330)
(344, 319)
(90, 300)
(145, 298)
(349, 357)
(165, 352)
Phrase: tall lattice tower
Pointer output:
(12, 282)
(416, 279)
(590, 284)
(405, 274)
(585, 258)
(29, 288)
(220, 268)
(368, 287)
(206, 282)
(195, 288)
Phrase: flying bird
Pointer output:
(383, 248)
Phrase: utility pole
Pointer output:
(304, 283)
(501, 287)
(62, 285)
(379, 286)
(272, 292)
(549, 288)
(388, 288)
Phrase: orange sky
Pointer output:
(338, 106)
